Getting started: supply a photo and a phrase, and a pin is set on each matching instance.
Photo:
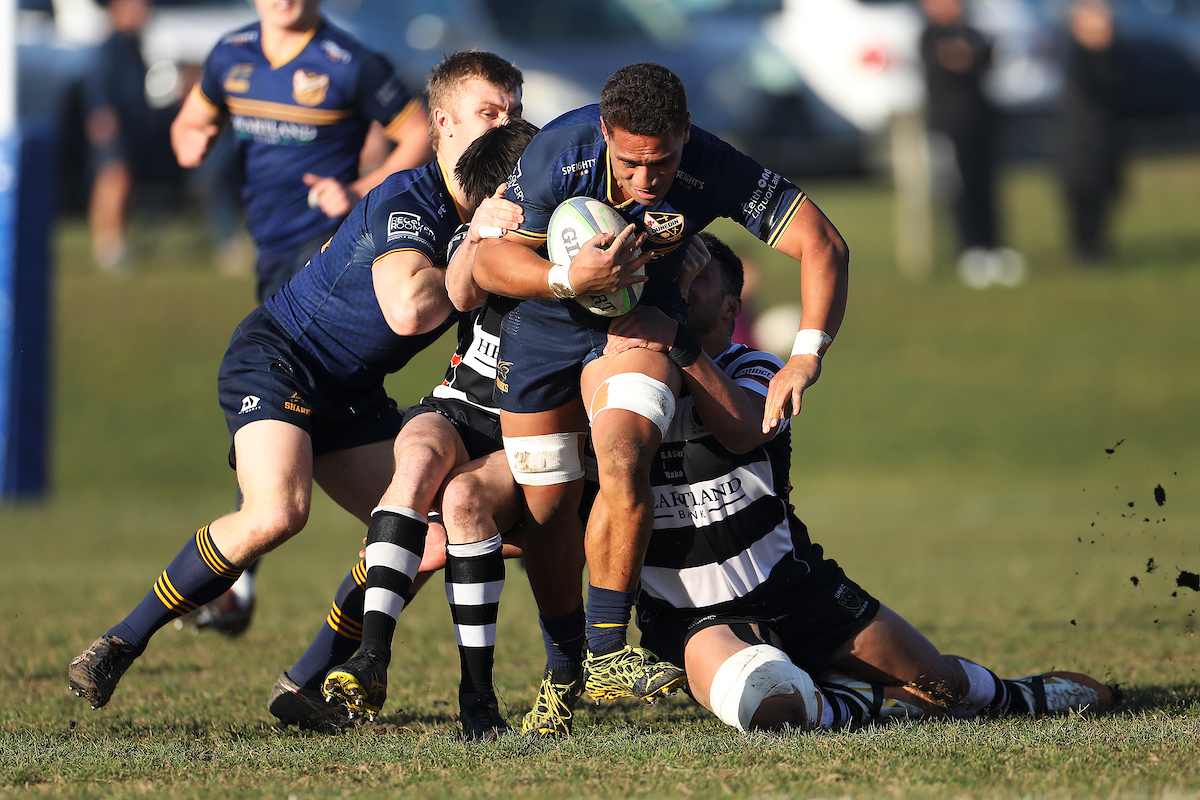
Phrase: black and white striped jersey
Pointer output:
(472, 370)
(720, 519)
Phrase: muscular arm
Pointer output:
(493, 212)
(411, 292)
(194, 129)
(824, 260)
(511, 268)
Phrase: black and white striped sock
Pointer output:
(474, 581)
(395, 543)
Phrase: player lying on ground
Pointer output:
(639, 152)
(732, 587)
(302, 381)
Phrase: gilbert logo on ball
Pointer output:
(576, 220)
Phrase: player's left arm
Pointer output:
(411, 291)
(813, 241)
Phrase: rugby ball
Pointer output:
(576, 220)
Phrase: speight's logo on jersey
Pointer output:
(334, 53)
(663, 227)
(406, 225)
(237, 80)
(309, 88)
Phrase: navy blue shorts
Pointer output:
(545, 344)
(276, 268)
(812, 611)
(479, 430)
(265, 376)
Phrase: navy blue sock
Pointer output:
(608, 613)
(339, 637)
(197, 575)
(564, 640)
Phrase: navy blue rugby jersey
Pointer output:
(330, 308)
(309, 113)
(569, 158)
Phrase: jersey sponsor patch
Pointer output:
(237, 80)
(250, 403)
(309, 88)
(333, 52)
(387, 93)
(406, 225)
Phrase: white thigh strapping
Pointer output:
(544, 460)
(641, 394)
(752, 675)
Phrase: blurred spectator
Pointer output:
(1091, 151)
(962, 124)
(120, 129)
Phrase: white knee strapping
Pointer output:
(752, 675)
(544, 460)
(641, 394)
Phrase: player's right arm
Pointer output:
(512, 268)
(195, 128)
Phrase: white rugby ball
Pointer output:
(576, 220)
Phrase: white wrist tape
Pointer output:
(560, 281)
(491, 232)
(810, 341)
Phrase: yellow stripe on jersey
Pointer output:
(170, 598)
(529, 236)
(393, 128)
(277, 60)
(212, 557)
(283, 112)
(786, 220)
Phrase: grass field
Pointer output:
(983, 462)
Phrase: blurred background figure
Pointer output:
(962, 126)
(1091, 147)
(121, 130)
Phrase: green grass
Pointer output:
(952, 458)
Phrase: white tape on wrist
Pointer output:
(810, 341)
(491, 232)
(314, 197)
(560, 281)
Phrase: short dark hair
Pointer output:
(446, 79)
(490, 159)
(645, 99)
(733, 272)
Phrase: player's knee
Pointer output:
(637, 393)
(273, 525)
(465, 501)
(545, 460)
(760, 687)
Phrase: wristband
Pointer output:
(685, 349)
(810, 341)
(560, 281)
(491, 232)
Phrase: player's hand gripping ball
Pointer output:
(576, 220)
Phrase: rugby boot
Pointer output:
(864, 701)
(631, 672)
(225, 615)
(360, 683)
(553, 711)
(1058, 693)
(94, 673)
(480, 716)
(292, 704)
